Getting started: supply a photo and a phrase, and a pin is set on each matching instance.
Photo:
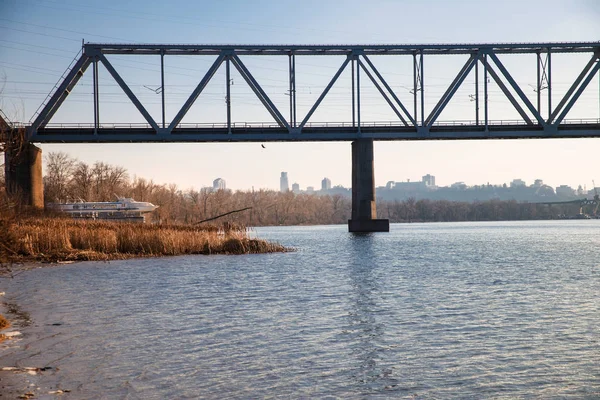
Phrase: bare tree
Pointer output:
(59, 171)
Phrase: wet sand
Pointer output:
(26, 364)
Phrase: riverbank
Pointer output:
(51, 239)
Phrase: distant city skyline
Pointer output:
(428, 180)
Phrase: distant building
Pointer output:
(284, 186)
(538, 183)
(325, 184)
(219, 184)
(428, 180)
(517, 183)
(295, 188)
(565, 190)
(310, 189)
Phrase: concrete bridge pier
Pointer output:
(23, 174)
(364, 211)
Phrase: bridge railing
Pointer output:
(273, 125)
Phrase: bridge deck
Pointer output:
(217, 133)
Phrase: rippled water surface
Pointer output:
(470, 310)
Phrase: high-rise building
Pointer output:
(295, 188)
(325, 184)
(428, 180)
(284, 186)
(219, 184)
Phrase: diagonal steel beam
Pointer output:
(188, 104)
(574, 86)
(128, 91)
(62, 92)
(576, 96)
(385, 96)
(437, 110)
(327, 89)
(260, 93)
(517, 89)
(389, 89)
(507, 92)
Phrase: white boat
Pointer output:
(123, 207)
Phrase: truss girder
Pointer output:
(62, 92)
(383, 94)
(507, 92)
(190, 101)
(359, 57)
(128, 91)
(451, 90)
(327, 89)
(260, 93)
(517, 89)
(390, 91)
(586, 74)
(577, 94)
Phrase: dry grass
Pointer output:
(3, 322)
(56, 239)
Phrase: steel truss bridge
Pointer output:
(412, 122)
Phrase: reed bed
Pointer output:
(62, 239)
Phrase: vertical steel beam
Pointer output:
(549, 72)
(416, 116)
(228, 100)
(294, 90)
(162, 85)
(96, 96)
(485, 92)
(422, 91)
(358, 93)
(290, 79)
(539, 82)
(477, 92)
(353, 98)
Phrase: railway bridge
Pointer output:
(541, 116)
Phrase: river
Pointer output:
(451, 310)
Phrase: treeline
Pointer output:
(69, 179)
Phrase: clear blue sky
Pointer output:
(39, 38)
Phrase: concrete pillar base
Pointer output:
(368, 225)
(23, 174)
